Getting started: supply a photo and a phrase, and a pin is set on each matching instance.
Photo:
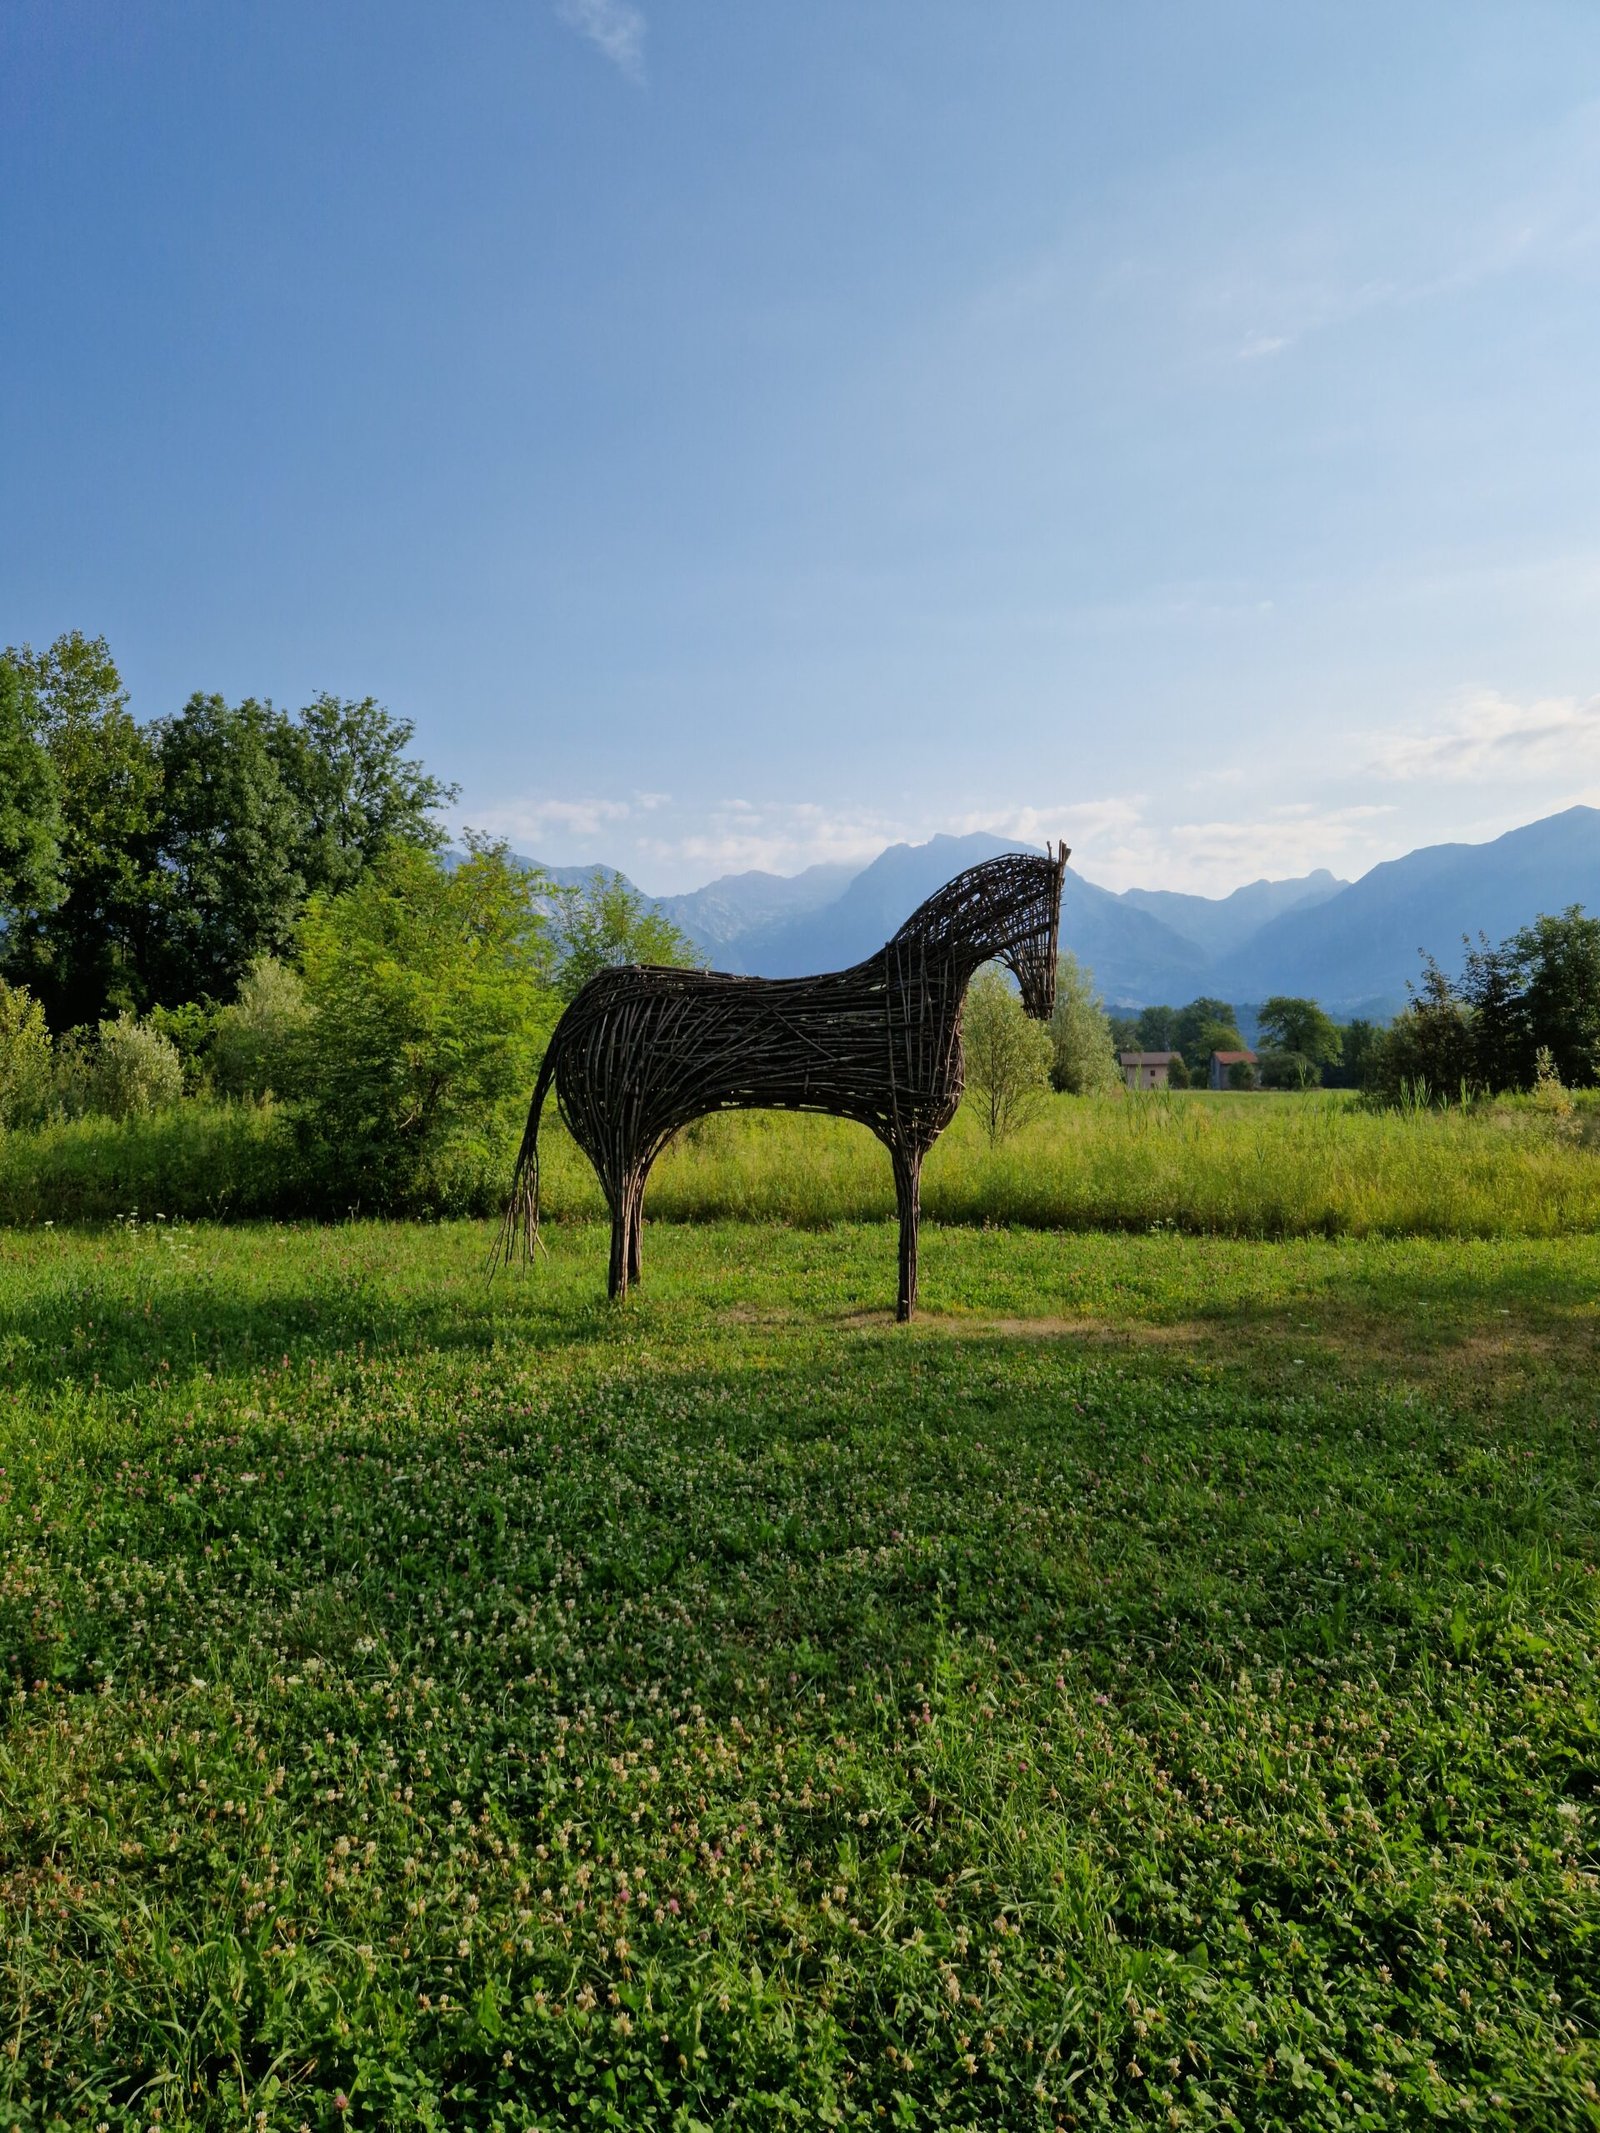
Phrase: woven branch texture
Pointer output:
(643, 1051)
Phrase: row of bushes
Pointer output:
(1328, 1166)
(132, 1066)
(401, 1046)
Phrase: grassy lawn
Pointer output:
(1157, 1687)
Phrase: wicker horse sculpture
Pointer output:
(643, 1050)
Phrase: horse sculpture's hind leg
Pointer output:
(908, 1201)
(627, 1223)
(636, 1223)
(617, 1276)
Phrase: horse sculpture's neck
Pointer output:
(996, 910)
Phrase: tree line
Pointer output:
(1300, 1045)
(242, 902)
(148, 865)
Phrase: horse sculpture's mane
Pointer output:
(644, 1050)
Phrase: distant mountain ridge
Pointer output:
(1352, 945)
(1368, 940)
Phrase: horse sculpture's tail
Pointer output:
(521, 1224)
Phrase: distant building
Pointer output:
(1222, 1061)
(1146, 1070)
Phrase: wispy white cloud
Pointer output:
(613, 27)
(1214, 856)
(780, 837)
(1490, 738)
(528, 821)
(1547, 221)
(1075, 823)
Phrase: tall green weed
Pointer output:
(1247, 1166)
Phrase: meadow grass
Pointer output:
(1158, 1687)
(1249, 1166)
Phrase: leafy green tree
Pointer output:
(355, 788)
(25, 1061)
(1178, 1075)
(1153, 1030)
(601, 922)
(1203, 1027)
(1557, 960)
(1083, 1062)
(1007, 1055)
(1491, 994)
(1242, 1075)
(1282, 1069)
(428, 1004)
(1290, 1024)
(1426, 1055)
(1358, 1045)
(85, 955)
(188, 1028)
(228, 827)
(30, 804)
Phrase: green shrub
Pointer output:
(25, 1057)
(188, 1029)
(426, 1010)
(136, 1070)
(194, 1159)
(1287, 1070)
(257, 1042)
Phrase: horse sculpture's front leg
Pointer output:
(908, 1201)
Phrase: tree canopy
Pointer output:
(601, 922)
(1291, 1024)
(30, 804)
(147, 865)
(1083, 1062)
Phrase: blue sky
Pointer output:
(742, 435)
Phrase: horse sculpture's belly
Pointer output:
(701, 1042)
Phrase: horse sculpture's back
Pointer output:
(644, 1050)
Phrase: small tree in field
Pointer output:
(1007, 1056)
(427, 1004)
(1292, 1025)
(1082, 1063)
(1287, 1070)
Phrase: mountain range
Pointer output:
(1352, 945)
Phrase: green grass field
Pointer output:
(1158, 1687)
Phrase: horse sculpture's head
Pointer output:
(1034, 932)
(1005, 910)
